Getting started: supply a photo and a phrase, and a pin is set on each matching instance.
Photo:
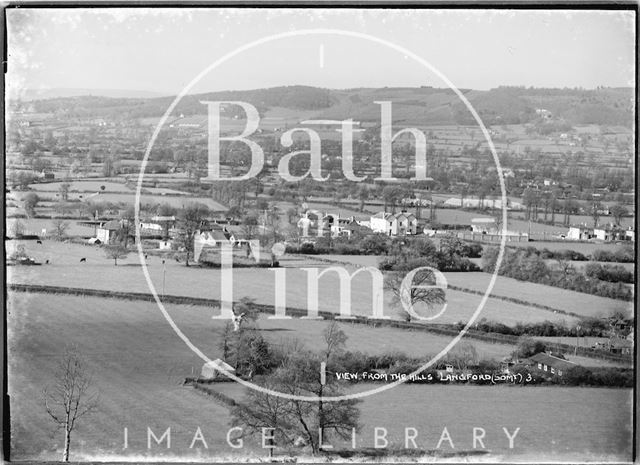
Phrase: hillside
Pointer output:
(418, 106)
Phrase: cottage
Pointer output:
(165, 245)
(621, 346)
(550, 365)
(208, 239)
(579, 233)
(311, 223)
(106, 232)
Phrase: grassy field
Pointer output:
(98, 272)
(94, 185)
(556, 423)
(554, 297)
(138, 365)
(36, 225)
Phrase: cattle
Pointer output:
(83, 259)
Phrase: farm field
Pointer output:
(594, 423)
(605, 436)
(139, 364)
(557, 298)
(98, 272)
(36, 225)
(96, 186)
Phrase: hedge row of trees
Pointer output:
(623, 254)
(526, 266)
(592, 327)
(611, 273)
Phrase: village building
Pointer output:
(579, 233)
(347, 227)
(311, 223)
(165, 244)
(394, 224)
(107, 231)
(549, 365)
(203, 240)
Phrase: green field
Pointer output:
(554, 297)
(594, 423)
(98, 272)
(138, 365)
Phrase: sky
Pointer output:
(163, 50)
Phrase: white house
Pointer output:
(165, 245)
(106, 230)
(214, 369)
(207, 239)
(310, 222)
(579, 233)
(394, 224)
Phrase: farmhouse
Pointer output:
(580, 233)
(549, 365)
(610, 233)
(347, 227)
(208, 239)
(108, 230)
(311, 223)
(618, 345)
(398, 224)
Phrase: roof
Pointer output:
(112, 225)
(483, 220)
(552, 361)
(619, 342)
(382, 215)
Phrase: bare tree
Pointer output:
(115, 252)
(18, 228)
(595, 213)
(415, 293)
(70, 397)
(59, 228)
(566, 268)
(618, 212)
(264, 410)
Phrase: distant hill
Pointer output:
(417, 106)
(40, 94)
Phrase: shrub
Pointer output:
(611, 273)
(577, 376)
